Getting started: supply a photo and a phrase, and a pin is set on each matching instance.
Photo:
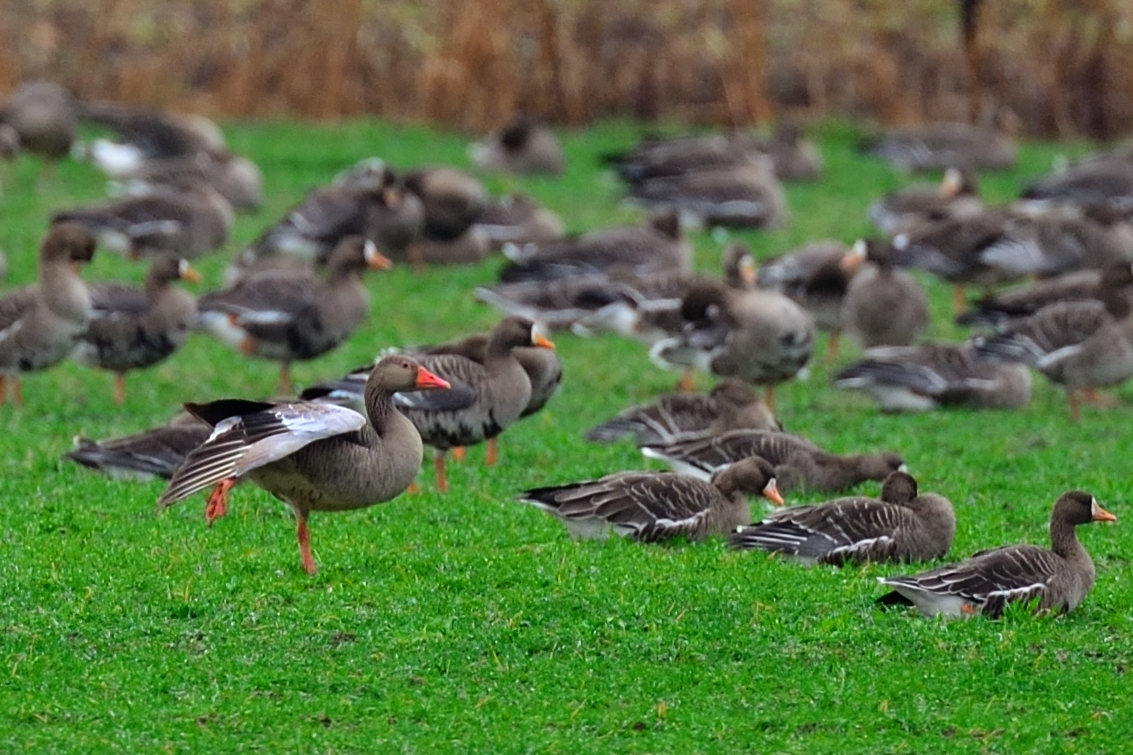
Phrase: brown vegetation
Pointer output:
(1060, 67)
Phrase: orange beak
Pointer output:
(1101, 515)
(538, 339)
(191, 275)
(375, 259)
(771, 493)
(426, 379)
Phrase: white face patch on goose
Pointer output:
(903, 468)
(369, 251)
(182, 267)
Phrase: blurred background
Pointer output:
(1052, 68)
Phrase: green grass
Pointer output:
(469, 623)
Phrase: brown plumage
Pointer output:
(902, 211)
(156, 452)
(883, 306)
(521, 146)
(43, 114)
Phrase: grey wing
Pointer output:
(844, 530)
(110, 297)
(1033, 339)
(670, 418)
(14, 305)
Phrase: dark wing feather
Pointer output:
(721, 450)
(668, 419)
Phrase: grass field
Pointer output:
(468, 623)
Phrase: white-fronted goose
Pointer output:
(794, 157)
(1021, 301)
(288, 315)
(822, 292)
(522, 146)
(1082, 345)
(898, 525)
(189, 222)
(311, 456)
(131, 329)
(1101, 183)
(652, 507)
(799, 463)
(518, 219)
(883, 306)
(469, 247)
(658, 157)
(1061, 240)
(1058, 579)
(937, 146)
(745, 195)
(657, 246)
(901, 211)
(731, 405)
(145, 133)
(43, 114)
(237, 178)
(486, 397)
(40, 324)
(923, 377)
(453, 200)
(156, 452)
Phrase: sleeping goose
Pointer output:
(799, 463)
(655, 506)
(311, 456)
(937, 146)
(744, 195)
(898, 525)
(40, 324)
(731, 405)
(1058, 578)
(930, 375)
(522, 146)
(903, 210)
(288, 314)
(1082, 345)
(883, 306)
(486, 398)
(156, 452)
(132, 329)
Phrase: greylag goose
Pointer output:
(657, 246)
(40, 324)
(289, 315)
(311, 456)
(799, 463)
(761, 337)
(189, 222)
(883, 306)
(237, 178)
(901, 211)
(745, 195)
(486, 398)
(1021, 301)
(937, 146)
(731, 405)
(652, 507)
(522, 146)
(898, 525)
(156, 452)
(518, 219)
(1083, 345)
(1057, 579)
(924, 377)
(131, 329)
(43, 114)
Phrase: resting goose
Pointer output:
(238, 179)
(518, 219)
(1061, 240)
(937, 146)
(1058, 579)
(452, 199)
(522, 146)
(43, 114)
(156, 452)
(883, 306)
(675, 156)
(289, 315)
(1022, 301)
(652, 507)
(40, 324)
(745, 195)
(1083, 345)
(131, 329)
(731, 405)
(799, 463)
(486, 398)
(793, 156)
(145, 134)
(903, 210)
(311, 456)
(924, 377)
(898, 525)
(1101, 183)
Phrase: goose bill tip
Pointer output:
(540, 340)
(426, 379)
(374, 258)
(1099, 514)
(771, 493)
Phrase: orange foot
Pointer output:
(217, 505)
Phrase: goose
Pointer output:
(883, 306)
(758, 336)
(799, 463)
(189, 222)
(731, 405)
(1061, 240)
(1099, 183)
(452, 199)
(902, 211)
(656, 506)
(470, 247)
(131, 329)
(793, 156)
(666, 157)
(745, 195)
(43, 115)
(517, 219)
(312, 456)
(927, 376)
(1082, 345)
(899, 525)
(1021, 301)
(522, 146)
(937, 146)
(145, 133)
(823, 292)
(40, 324)
(288, 314)
(486, 398)
(1058, 579)
(235, 177)
(156, 452)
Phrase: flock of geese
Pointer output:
(297, 292)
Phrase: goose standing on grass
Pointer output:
(901, 211)
(898, 525)
(132, 329)
(523, 146)
(311, 456)
(799, 463)
(655, 506)
(289, 315)
(156, 452)
(485, 399)
(731, 405)
(1058, 578)
(883, 306)
(40, 324)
